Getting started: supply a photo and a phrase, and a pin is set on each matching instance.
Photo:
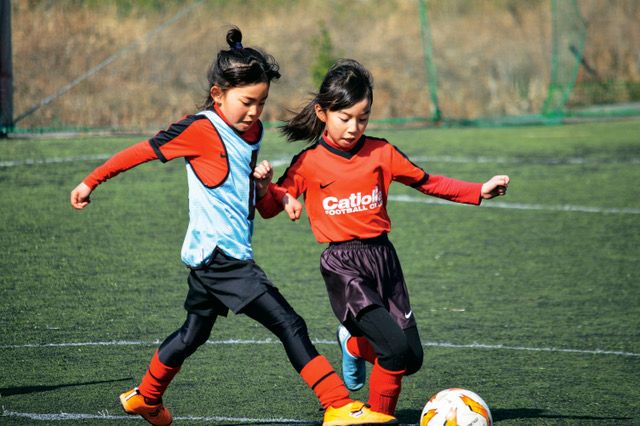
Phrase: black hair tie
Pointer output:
(236, 45)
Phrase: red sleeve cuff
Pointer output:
(271, 204)
(277, 192)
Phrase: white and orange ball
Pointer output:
(456, 407)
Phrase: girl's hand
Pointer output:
(80, 196)
(263, 173)
(292, 206)
(495, 187)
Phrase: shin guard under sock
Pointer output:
(384, 389)
(361, 348)
(156, 379)
(320, 376)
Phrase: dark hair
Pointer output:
(347, 82)
(239, 66)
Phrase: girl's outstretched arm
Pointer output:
(121, 161)
(495, 187)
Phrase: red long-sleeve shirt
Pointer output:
(193, 137)
(346, 192)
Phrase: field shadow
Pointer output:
(270, 423)
(408, 416)
(499, 414)
(536, 413)
(23, 390)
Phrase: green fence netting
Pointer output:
(124, 65)
(568, 34)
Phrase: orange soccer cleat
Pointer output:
(134, 403)
(355, 413)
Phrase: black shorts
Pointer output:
(225, 283)
(363, 273)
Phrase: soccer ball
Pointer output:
(456, 407)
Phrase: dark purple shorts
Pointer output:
(362, 273)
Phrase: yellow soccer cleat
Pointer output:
(355, 413)
(134, 403)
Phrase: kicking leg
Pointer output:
(275, 313)
(398, 352)
(146, 400)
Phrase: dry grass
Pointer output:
(492, 57)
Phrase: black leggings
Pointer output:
(397, 349)
(270, 309)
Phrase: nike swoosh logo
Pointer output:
(408, 315)
(356, 414)
(324, 186)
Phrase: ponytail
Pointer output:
(347, 82)
(304, 126)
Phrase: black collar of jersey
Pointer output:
(341, 153)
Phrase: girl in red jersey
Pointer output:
(344, 176)
(220, 145)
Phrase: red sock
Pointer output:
(156, 379)
(320, 376)
(361, 348)
(384, 389)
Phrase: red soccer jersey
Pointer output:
(346, 192)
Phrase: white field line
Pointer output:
(53, 160)
(416, 159)
(498, 160)
(400, 198)
(517, 160)
(518, 206)
(269, 341)
(50, 417)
